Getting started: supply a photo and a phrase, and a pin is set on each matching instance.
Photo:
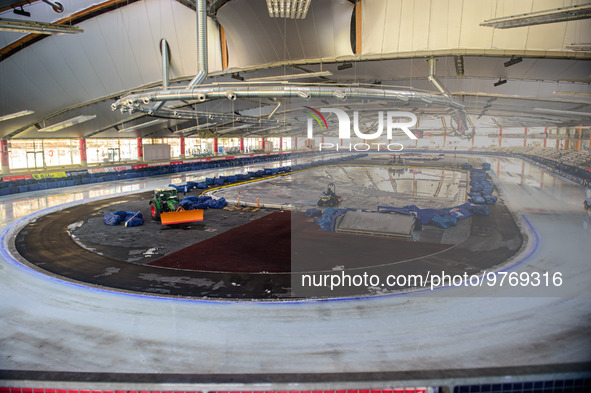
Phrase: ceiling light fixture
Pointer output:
(36, 27)
(500, 82)
(514, 60)
(291, 76)
(579, 47)
(541, 17)
(143, 125)
(16, 114)
(67, 123)
(345, 65)
(237, 76)
(22, 12)
(288, 9)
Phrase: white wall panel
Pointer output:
(419, 25)
(254, 38)
(471, 34)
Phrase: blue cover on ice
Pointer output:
(425, 216)
(204, 198)
(490, 199)
(462, 211)
(191, 184)
(324, 222)
(187, 205)
(112, 219)
(218, 182)
(133, 222)
(313, 212)
(329, 211)
(209, 181)
(134, 214)
(450, 220)
(191, 198)
(201, 185)
(180, 188)
(201, 205)
(439, 221)
(217, 203)
(480, 210)
(478, 200)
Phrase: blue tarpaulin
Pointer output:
(425, 216)
(313, 212)
(217, 203)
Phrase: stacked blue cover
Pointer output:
(119, 217)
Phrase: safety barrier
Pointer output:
(26, 183)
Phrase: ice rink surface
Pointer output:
(51, 325)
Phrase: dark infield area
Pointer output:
(290, 242)
(243, 255)
(150, 241)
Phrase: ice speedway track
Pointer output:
(51, 325)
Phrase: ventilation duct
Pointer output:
(201, 11)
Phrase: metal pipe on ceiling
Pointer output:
(433, 78)
(202, 71)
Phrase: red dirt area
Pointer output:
(283, 242)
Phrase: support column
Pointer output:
(215, 147)
(182, 148)
(224, 44)
(500, 136)
(4, 154)
(545, 135)
(241, 145)
(524, 137)
(295, 144)
(358, 31)
(263, 144)
(579, 135)
(140, 150)
(280, 143)
(83, 157)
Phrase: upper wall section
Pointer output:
(118, 51)
(411, 26)
(254, 38)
